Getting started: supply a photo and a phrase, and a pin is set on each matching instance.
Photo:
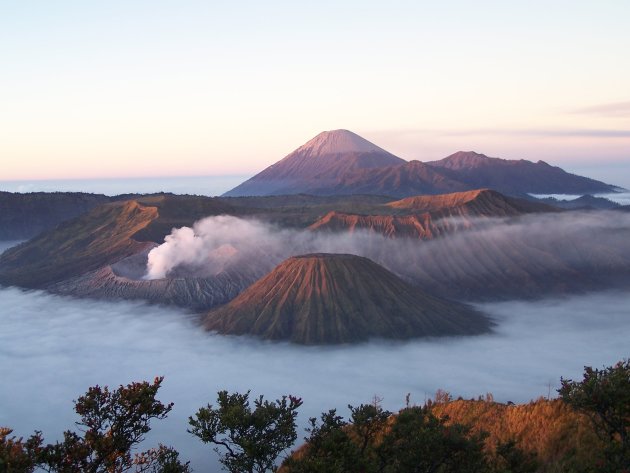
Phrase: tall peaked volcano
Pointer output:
(338, 298)
(320, 163)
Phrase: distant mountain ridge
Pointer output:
(340, 162)
(515, 176)
(24, 215)
(478, 202)
(430, 216)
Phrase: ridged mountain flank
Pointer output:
(478, 202)
(402, 180)
(320, 163)
(339, 298)
(426, 217)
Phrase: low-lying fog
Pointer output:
(52, 348)
(539, 243)
(622, 198)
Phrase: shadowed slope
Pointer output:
(332, 298)
(75, 247)
(401, 180)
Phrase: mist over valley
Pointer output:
(54, 347)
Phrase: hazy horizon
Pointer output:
(199, 185)
(214, 185)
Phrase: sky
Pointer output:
(163, 88)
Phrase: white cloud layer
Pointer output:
(52, 348)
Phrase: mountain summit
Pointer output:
(336, 142)
(320, 163)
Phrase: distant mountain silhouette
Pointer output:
(515, 176)
(585, 202)
(320, 163)
(24, 215)
(334, 298)
(341, 163)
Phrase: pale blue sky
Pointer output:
(121, 88)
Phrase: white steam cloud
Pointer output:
(209, 245)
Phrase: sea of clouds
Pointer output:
(52, 348)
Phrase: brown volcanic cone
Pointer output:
(337, 298)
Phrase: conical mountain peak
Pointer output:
(318, 165)
(339, 298)
(338, 142)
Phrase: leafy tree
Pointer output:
(335, 445)
(418, 441)
(249, 440)
(604, 395)
(368, 421)
(374, 441)
(509, 458)
(17, 455)
(112, 424)
(329, 448)
(161, 460)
